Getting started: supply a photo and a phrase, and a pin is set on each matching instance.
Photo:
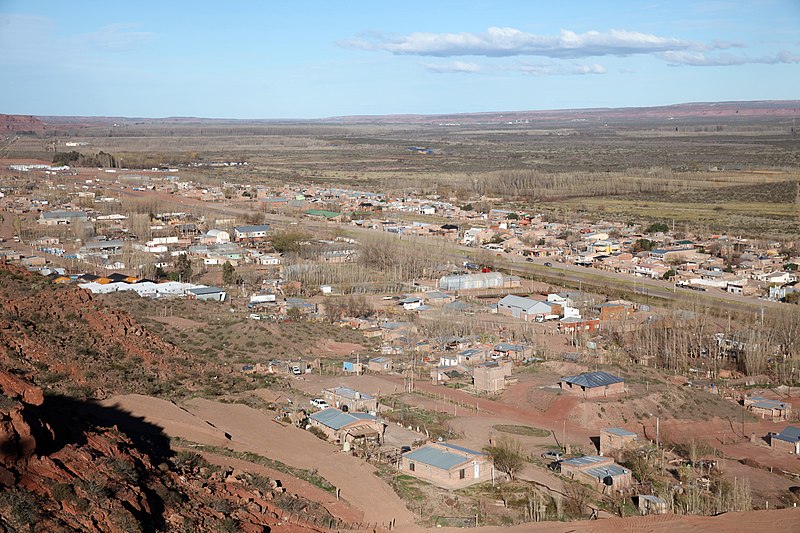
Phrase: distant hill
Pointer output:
(21, 124)
(701, 110)
(751, 109)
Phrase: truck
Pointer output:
(259, 299)
(542, 318)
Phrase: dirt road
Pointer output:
(207, 422)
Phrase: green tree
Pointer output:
(288, 241)
(670, 273)
(657, 227)
(183, 267)
(229, 274)
(643, 245)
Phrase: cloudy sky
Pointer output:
(313, 59)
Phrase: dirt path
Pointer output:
(208, 422)
(337, 508)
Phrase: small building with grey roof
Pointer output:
(447, 465)
(346, 426)
(602, 473)
(593, 384)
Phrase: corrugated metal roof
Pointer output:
(460, 448)
(336, 419)
(619, 431)
(585, 460)
(350, 394)
(612, 470)
(769, 404)
(436, 457)
(591, 380)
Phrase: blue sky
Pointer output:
(313, 59)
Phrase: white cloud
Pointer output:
(452, 67)
(505, 42)
(560, 69)
(701, 59)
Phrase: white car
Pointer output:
(319, 403)
(296, 370)
(254, 316)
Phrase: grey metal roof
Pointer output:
(205, 290)
(791, 432)
(336, 419)
(460, 448)
(505, 347)
(769, 404)
(348, 393)
(585, 460)
(523, 303)
(619, 431)
(612, 470)
(252, 229)
(434, 456)
(591, 380)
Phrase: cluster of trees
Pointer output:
(74, 158)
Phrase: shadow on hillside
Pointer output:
(61, 421)
(71, 419)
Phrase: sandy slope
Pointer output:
(207, 422)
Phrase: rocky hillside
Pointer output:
(66, 342)
(60, 472)
(21, 124)
(64, 463)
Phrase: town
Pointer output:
(488, 345)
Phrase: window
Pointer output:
(462, 474)
(411, 466)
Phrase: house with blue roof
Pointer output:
(345, 426)
(602, 473)
(787, 440)
(768, 408)
(593, 384)
(447, 465)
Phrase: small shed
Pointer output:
(207, 293)
(380, 364)
(602, 473)
(649, 504)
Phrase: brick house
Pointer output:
(491, 376)
(766, 408)
(341, 426)
(447, 465)
(602, 473)
(613, 439)
(787, 440)
(593, 384)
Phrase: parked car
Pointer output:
(319, 403)
(404, 449)
(553, 456)
(529, 259)
(254, 316)
(296, 370)
(548, 264)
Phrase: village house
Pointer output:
(348, 399)
(447, 465)
(380, 364)
(491, 376)
(214, 294)
(766, 408)
(254, 233)
(60, 218)
(526, 309)
(602, 473)
(593, 384)
(574, 325)
(347, 426)
(613, 439)
(615, 310)
(787, 440)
